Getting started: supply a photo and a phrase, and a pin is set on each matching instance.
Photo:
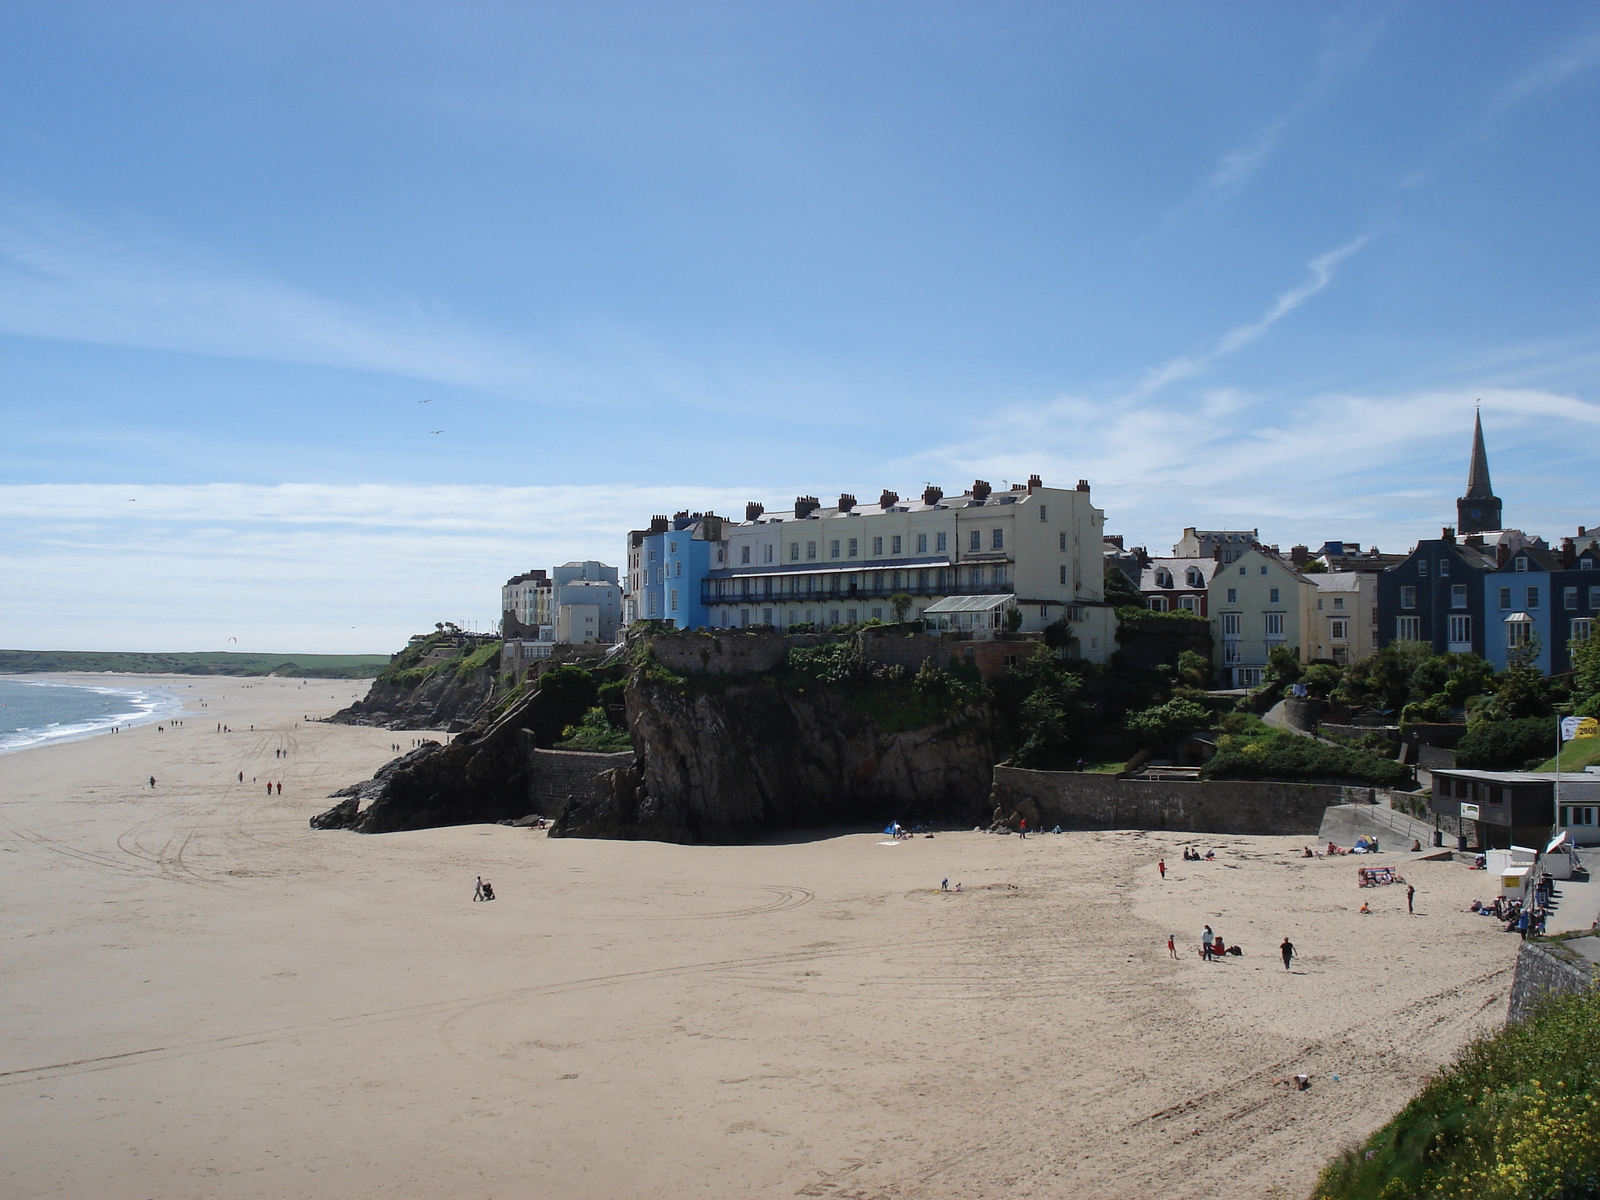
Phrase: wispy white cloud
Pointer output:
(1565, 64)
(1344, 48)
(1562, 65)
(64, 280)
(1383, 468)
(1322, 269)
(308, 567)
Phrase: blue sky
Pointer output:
(1243, 265)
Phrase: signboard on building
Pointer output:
(1469, 812)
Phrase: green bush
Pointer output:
(1586, 675)
(1507, 745)
(566, 694)
(1164, 724)
(1277, 754)
(1516, 1116)
(594, 732)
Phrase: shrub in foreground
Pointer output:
(1516, 1117)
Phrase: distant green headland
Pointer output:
(306, 666)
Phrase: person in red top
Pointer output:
(1022, 828)
(1162, 867)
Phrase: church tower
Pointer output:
(1479, 510)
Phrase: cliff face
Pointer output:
(480, 777)
(730, 764)
(447, 700)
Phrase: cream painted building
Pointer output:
(1346, 622)
(1259, 602)
(841, 565)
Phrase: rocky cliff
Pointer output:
(716, 757)
(446, 699)
(732, 763)
(481, 776)
(446, 679)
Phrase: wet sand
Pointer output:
(200, 997)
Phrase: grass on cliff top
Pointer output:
(212, 662)
(1575, 756)
(1517, 1115)
(408, 670)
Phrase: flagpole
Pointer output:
(1558, 773)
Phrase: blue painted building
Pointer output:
(666, 564)
(1545, 594)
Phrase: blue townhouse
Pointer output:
(666, 564)
(1548, 595)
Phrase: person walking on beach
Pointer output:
(1172, 946)
(1205, 943)
(269, 788)
(1022, 828)
(241, 776)
(477, 892)
(1162, 867)
(1411, 894)
(152, 781)
(1287, 950)
(280, 789)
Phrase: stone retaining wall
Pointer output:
(1541, 971)
(1083, 800)
(554, 776)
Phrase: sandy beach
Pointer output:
(201, 997)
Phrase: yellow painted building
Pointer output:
(1257, 603)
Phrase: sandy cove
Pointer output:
(203, 998)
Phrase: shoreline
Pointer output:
(167, 686)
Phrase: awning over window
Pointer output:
(955, 604)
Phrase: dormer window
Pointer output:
(1164, 578)
(1586, 564)
(1522, 562)
(1193, 577)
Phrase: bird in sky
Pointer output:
(435, 431)
(429, 400)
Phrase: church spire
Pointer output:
(1478, 476)
(1479, 510)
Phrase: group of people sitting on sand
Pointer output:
(1526, 920)
(1364, 845)
(1191, 854)
(1212, 946)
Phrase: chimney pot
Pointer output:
(980, 490)
(1034, 482)
(753, 510)
(846, 501)
(804, 506)
(888, 499)
(932, 494)
(1083, 485)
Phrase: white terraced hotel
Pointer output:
(1038, 547)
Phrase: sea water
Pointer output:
(36, 711)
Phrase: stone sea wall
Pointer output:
(1544, 968)
(1084, 800)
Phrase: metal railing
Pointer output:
(738, 591)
